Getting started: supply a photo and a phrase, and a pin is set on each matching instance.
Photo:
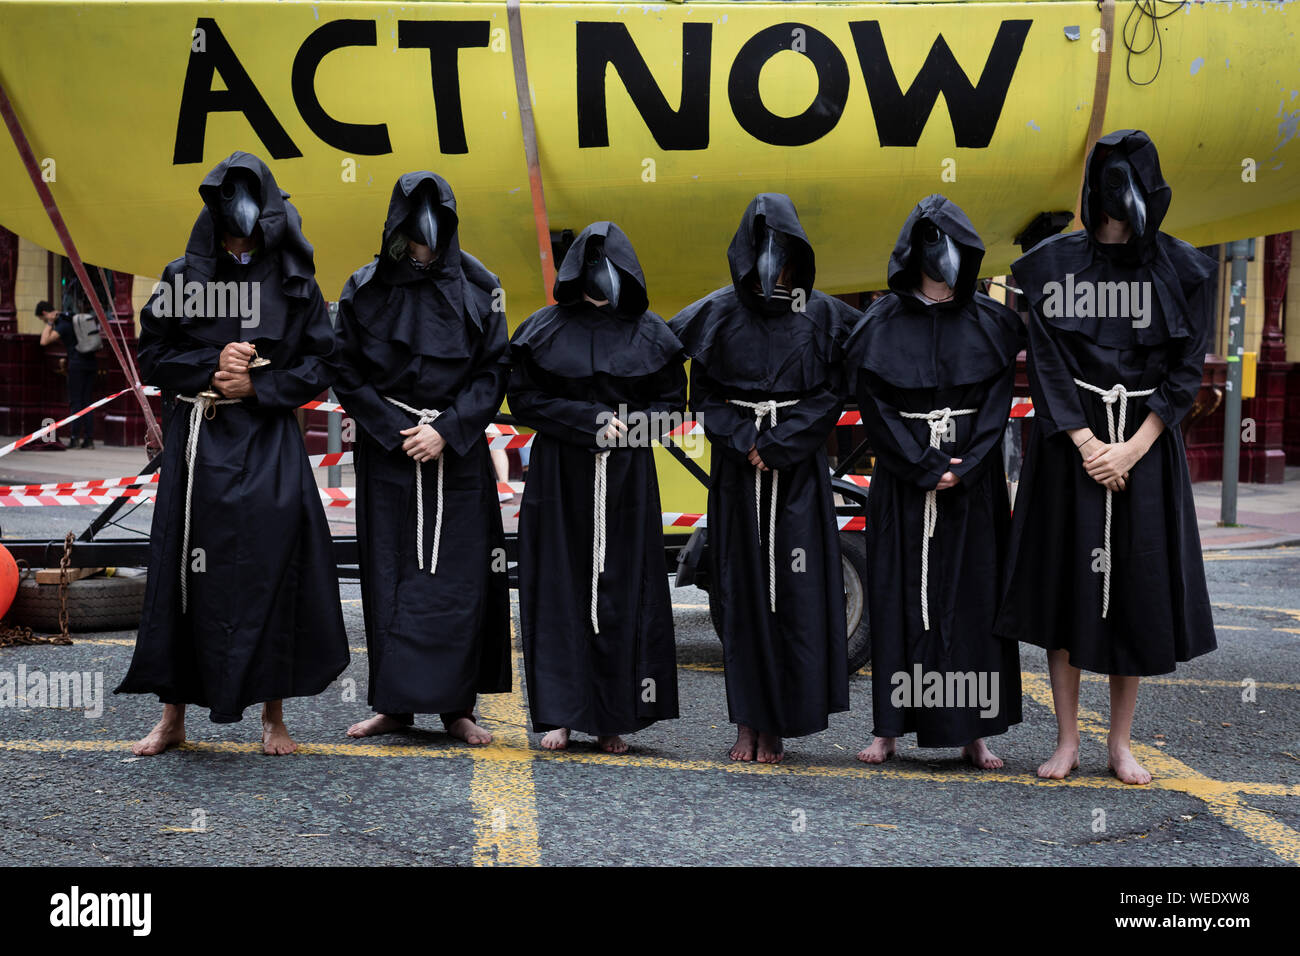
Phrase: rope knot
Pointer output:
(1115, 395)
(938, 419)
(766, 408)
(203, 407)
(424, 416)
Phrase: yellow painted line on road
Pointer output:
(904, 768)
(707, 667)
(1221, 797)
(1184, 682)
(1273, 554)
(1292, 612)
(716, 668)
(501, 788)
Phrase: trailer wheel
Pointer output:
(94, 604)
(853, 555)
(853, 559)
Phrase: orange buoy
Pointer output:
(8, 580)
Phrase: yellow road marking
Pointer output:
(710, 667)
(1228, 556)
(902, 769)
(1172, 774)
(504, 799)
(1089, 678)
(501, 788)
(1293, 612)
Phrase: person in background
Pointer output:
(82, 369)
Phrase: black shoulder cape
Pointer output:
(287, 267)
(385, 293)
(911, 344)
(575, 339)
(768, 347)
(1174, 268)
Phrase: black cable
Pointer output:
(1146, 9)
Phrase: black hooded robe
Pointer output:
(1159, 611)
(786, 671)
(913, 357)
(573, 366)
(432, 340)
(263, 620)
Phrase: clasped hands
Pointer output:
(231, 378)
(1108, 464)
(423, 443)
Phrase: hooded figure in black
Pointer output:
(596, 376)
(420, 345)
(1105, 566)
(935, 363)
(242, 602)
(767, 383)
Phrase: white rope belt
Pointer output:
(425, 416)
(767, 410)
(939, 420)
(200, 408)
(1117, 395)
(598, 531)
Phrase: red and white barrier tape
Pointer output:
(500, 436)
(330, 497)
(49, 429)
(105, 490)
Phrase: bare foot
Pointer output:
(276, 741)
(612, 745)
(165, 735)
(556, 739)
(977, 752)
(746, 744)
(464, 728)
(1064, 759)
(1123, 765)
(378, 724)
(770, 749)
(881, 749)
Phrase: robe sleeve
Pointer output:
(1174, 396)
(990, 422)
(382, 420)
(314, 364)
(895, 445)
(168, 358)
(728, 427)
(663, 394)
(534, 400)
(800, 429)
(462, 423)
(1057, 406)
(667, 392)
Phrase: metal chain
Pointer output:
(65, 564)
(12, 635)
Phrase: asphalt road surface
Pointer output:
(1227, 788)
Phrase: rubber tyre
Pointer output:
(94, 604)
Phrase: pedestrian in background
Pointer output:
(82, 368)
